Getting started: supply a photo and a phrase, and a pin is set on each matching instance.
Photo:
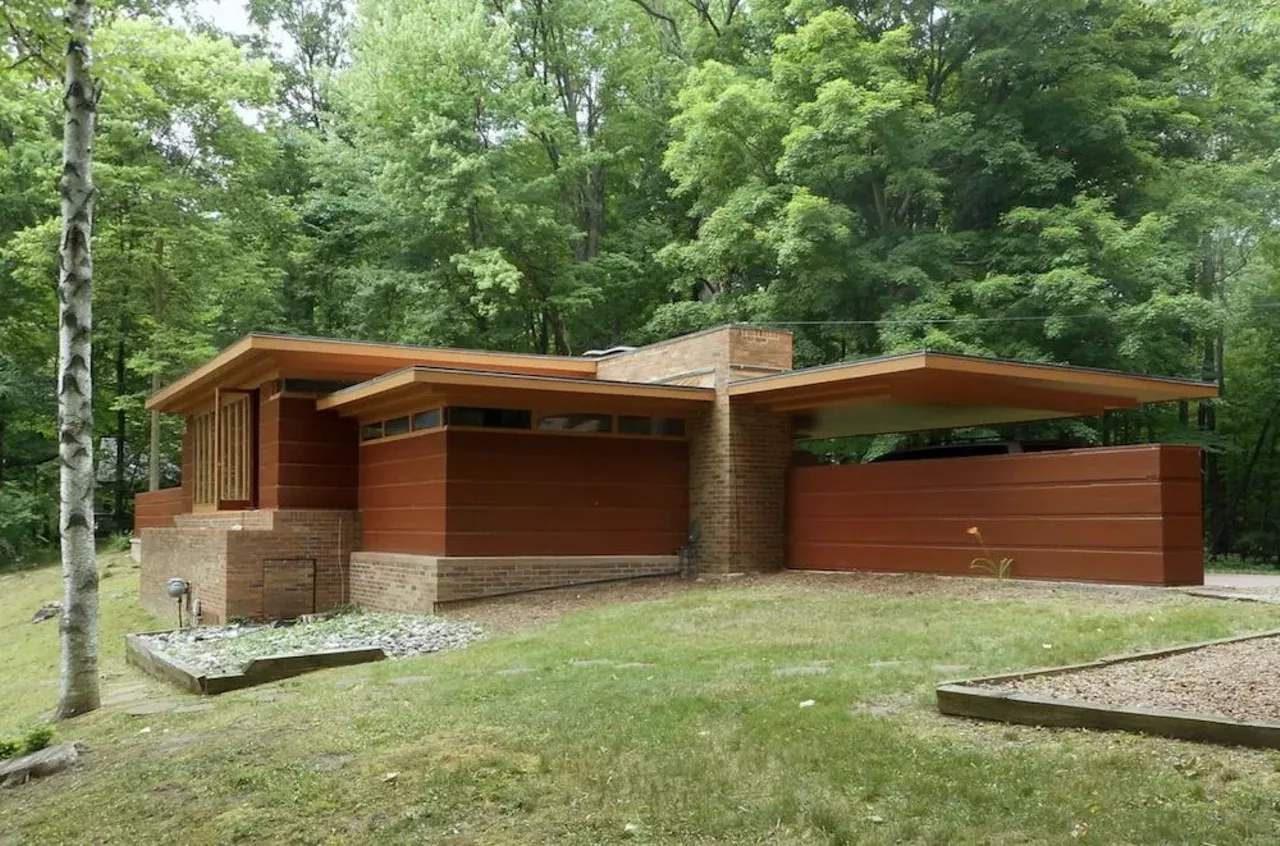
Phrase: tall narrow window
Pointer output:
(202, 459)
(235, 450)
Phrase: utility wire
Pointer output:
(962, 319)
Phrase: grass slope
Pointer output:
(708, 745)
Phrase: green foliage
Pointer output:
(1091, 183)
(36, 738)
(33, 740)
(22, 525)
(118, 542)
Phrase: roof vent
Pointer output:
(609, 351)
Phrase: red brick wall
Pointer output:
(388, 581)
(251, 563)
(307, 458)
(472, 578)
(512, 493)
(1122, 514)
(156, 509)
(197, 557)
(402, 494)
(385, 581)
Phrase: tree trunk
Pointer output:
(153, 449)
(78, 628)
(122, 422)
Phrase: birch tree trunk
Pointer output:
(78, 691)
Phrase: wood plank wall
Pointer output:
(516, 493)
(402, 489)
(1120, 514)
(307, 458)
(156, 509)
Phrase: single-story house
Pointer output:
(317, 473)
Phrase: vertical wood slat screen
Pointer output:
(235, 421)
(202, 444)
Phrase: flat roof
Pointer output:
(932, 390)
(259, 357)
(427, 385)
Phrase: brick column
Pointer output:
(738, 459)
(738, 453)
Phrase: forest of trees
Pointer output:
(1086, 181)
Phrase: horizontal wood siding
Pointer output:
(530, 494)
(1122, 514)
(402, 495)
(156, 509)
(307, 458)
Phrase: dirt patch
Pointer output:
(1239, 681)
(525, 610)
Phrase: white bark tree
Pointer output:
(78, 691)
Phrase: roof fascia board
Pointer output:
(395, 353)
(434, 376)
(816, 377)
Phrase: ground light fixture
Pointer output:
(178, 588)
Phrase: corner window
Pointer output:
(576, 423)
(668, 427)
(489, 418)
(426, 420)
(371, 431)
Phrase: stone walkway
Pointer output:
(1253, 581)
(142, 696)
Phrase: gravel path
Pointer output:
(1236, 680)
(227, 649)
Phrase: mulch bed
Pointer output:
(1239, 681)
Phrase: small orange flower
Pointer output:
(973, 530)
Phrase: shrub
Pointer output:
(118, 542)
(36, 738)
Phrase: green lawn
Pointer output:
(706, 746)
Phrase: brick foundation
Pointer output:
(254, 564)
(393, 581)
(382, 581)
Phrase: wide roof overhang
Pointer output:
(929, 390)
(257, 358)
(421, 387)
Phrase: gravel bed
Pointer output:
(1240, 681)
(227, 649)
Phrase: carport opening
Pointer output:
(902, 462)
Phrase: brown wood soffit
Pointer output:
(925, 390)
(255, 359)
(422, 387)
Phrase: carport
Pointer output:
(1115, 514)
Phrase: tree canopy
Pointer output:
(1084, 181)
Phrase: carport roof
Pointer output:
(422, 385)
(932, 390)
